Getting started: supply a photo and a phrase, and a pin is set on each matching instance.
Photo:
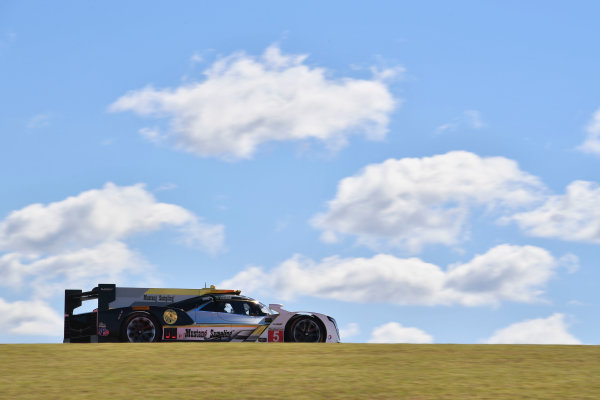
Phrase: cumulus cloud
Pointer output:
(50, 275)
(393, 332)
(574, 216)
(504, 273)
(80, 241)
(592, 142)
(514, 273)
(30, 318)
(245, 101)
(551, 330)
(411, 202)
(108, 214)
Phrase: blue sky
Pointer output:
(422, 172)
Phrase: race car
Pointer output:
(127, 314)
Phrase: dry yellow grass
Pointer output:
(299, 371)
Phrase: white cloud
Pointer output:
(504, 273)
(198, 234)
(196, 58)
(393, 332)
(471, 119)
(570, 262)
(166, 186)
(415, 201)
(152, 134)
(592, 142)
(474, 119)
(513, 273)
(50, 275)
(551, 330)
(79, 241)
(350, 330)
(96, 216)
(574, 216)
(245, 101)
(387, 74)
(30, 318)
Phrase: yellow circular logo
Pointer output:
(170, 316)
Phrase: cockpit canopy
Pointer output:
(224, 303)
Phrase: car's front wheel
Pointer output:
(305, 330)
(141, 327)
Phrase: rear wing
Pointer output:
(84, 327)
(104, 292)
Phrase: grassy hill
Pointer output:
(300, 371)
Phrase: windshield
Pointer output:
(265, 309)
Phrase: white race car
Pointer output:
(207, 315)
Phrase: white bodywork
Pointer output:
(276, 329)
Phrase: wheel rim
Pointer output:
(307, 330)
(141, 329)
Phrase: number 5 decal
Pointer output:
(276, 336)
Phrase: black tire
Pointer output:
(140, 328)
(305, 329)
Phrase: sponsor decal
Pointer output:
(205, 334)
(170, 316)
(159, 298)
(102, 330)
(194, 333)
(225, 334)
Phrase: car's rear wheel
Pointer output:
(139, 328)
(305, 329)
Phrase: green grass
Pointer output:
(299, 371)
